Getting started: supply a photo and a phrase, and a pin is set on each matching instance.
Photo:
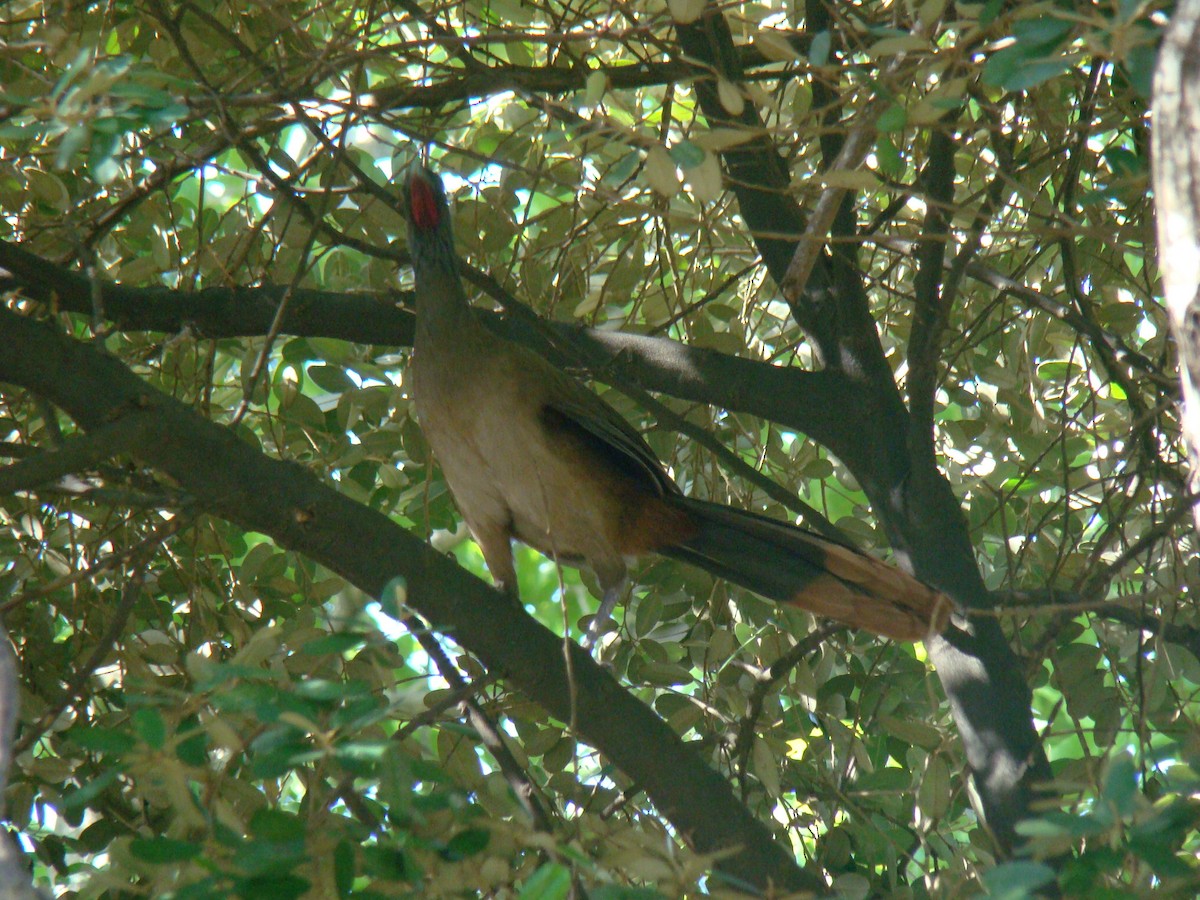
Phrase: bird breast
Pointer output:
(482, 418)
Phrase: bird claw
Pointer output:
(591, 637)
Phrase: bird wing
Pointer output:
(570, 405)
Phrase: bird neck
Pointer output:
(443, 310)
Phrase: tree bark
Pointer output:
(885, 450)
(1176, 165)
(229, 478)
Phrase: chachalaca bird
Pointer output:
(532, 454)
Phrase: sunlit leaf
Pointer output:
(660, 172)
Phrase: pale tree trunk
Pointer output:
(14, 873)
(1176, 163)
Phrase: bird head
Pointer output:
(430, 238)
(424, 198)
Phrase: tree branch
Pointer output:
(235, 481)
(811, 402)
(931, 309)
(76, 454)
(988, 695)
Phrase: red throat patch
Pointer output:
(423, 204)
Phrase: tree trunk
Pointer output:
(1176, 160)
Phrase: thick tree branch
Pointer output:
(988, 696)
(233, 480)
(213, 312)
(551, 80)
(931, 308)
(811, 402)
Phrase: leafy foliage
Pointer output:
(206, 714)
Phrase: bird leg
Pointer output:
(496, 545)
(613, 592)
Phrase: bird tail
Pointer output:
(790, 565)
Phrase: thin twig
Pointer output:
(75, 454)
(427, 717)
(518, 779)
(137, 551)
(120, 616)
(765, 680)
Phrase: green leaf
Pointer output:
(686, 154)
(279, 759)
(1139, 68)
(1162, 859)
(891, 163)
(1030, 75)
(595, 87)
(1038, 36)
(149, 726)
(912, 731)
(1055, 824)
(467, 843)
(706, 180)
(731, 97)
(894, 118)
(70, 143)
(766, 767)
(193, 750)
(331, 378)
(97, 836)
(1001, 66)
(774, 46)
(1124, 162)
(343, 867)
(665, 674)
(166, 115)
(1017, 880)
(990, 11)
(648, 614)
(102, 740)
(75, 801)
(322, 689)
(272, 887)
(101, 157)
(660, 172)
(388, 862)
(1120, 785)
(362, 751)
(551, 882)
(163, 850)
(685, 11)
(624, 168)
(818, 50)
(276, 825)
(933, 793)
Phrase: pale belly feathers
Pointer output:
(501, 480)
